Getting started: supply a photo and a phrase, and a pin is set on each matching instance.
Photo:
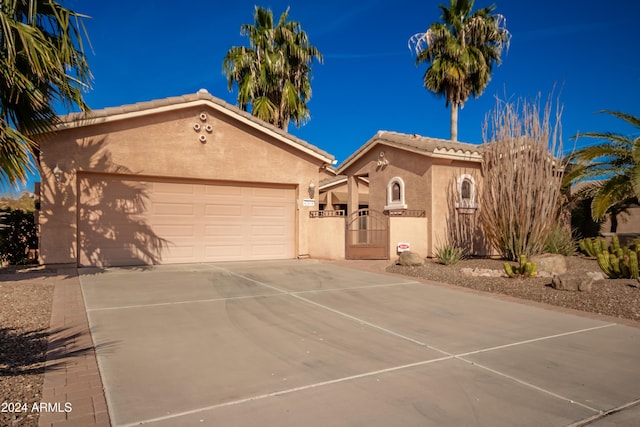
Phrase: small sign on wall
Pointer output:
(404, 247)
(308, 202)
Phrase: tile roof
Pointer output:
(420, 144)
(176, 102)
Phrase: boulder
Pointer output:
(409, 258)
(572, 282)
(552, 263)
(596, 275)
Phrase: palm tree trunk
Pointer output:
(454, 121)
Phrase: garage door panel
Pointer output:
(221, 231)
(126, 222)
(217, 210)
(173, 209)
(176, 230)
(270, 194)
(268, 231)
(228, 191)
(258, 211)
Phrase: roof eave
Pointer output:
(81, 120)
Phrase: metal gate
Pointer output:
(367, 235)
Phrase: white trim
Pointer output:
(471, 202)
(393, 204)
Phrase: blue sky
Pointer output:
(587, 50)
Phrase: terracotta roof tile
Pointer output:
(417, 143)
(177, 101)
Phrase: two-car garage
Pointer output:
(185, 179)
(133, 221)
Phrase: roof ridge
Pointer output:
(201, 95)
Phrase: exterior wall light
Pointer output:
(57, 173)
(312, 189)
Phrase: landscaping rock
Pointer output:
(550, 262)
(409, 258)
(572, 282)
(482, 272)
(596, 275)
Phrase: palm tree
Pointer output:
(461, 52)
(42, 63)
(613, 165)
(273, 75)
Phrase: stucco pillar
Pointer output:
(328, 206)
(353, 195)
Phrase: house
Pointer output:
(194, 179)
(425, 187)
(178, 180)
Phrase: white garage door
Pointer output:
(126, 222)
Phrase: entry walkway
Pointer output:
(316, 343)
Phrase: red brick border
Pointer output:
(72, 385)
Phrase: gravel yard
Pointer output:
(25, 311)
(618, 298)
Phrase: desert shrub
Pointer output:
(17, 236)
(522, 171)
(448, 254)
(560, 241)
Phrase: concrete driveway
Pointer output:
(314, 343)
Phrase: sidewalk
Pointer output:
(72, 386)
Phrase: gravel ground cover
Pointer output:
(25, 311)
(612, 297)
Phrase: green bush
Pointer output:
(17, 236)
(448, 254)
(560, 241)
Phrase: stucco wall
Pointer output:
(164, 145)
(409, 230)
(411, 167)
(449, 223)
(327, 238)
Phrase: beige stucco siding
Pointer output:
(445, 216)
(166, 146)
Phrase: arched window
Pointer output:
(465, 190)
(466, 193)
(395, 194)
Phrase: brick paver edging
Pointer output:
(72, 385)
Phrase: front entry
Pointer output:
(367, 235)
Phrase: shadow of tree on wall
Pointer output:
(463, 225)
(110, 203)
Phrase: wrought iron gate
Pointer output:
(367, 235)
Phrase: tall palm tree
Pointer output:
(613, 165)
(273, 75)
(461, 51)
(42, 63)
